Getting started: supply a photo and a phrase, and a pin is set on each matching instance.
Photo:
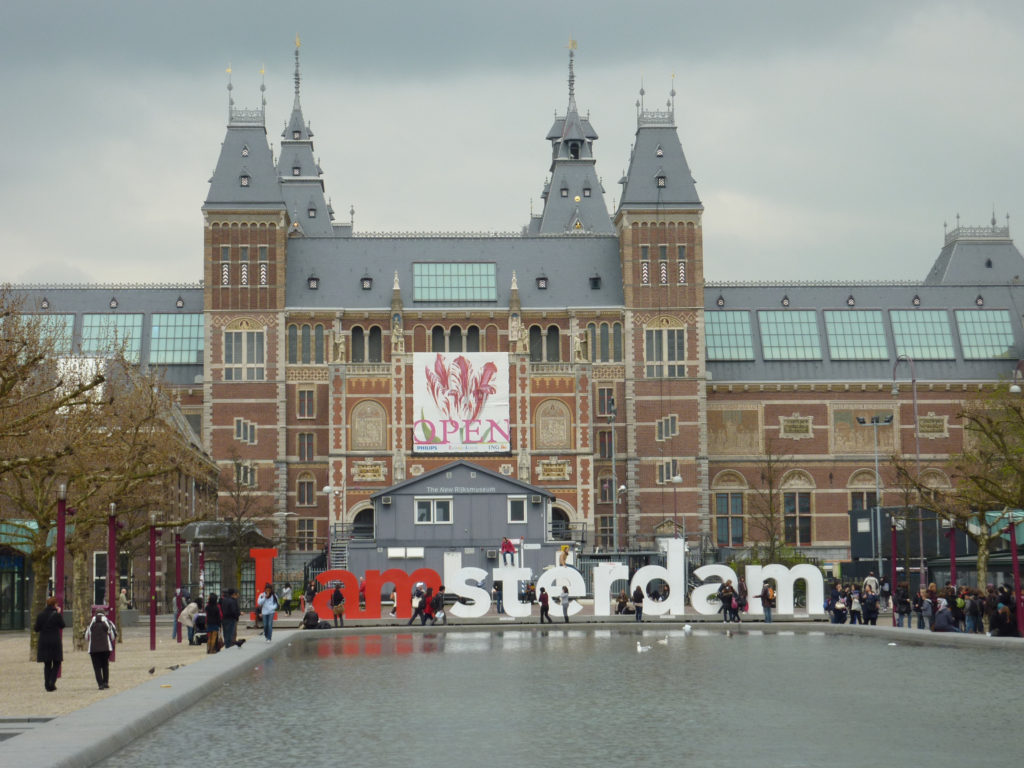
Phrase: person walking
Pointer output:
(213, 620)
(565, 600)
(417, 605)
(638, 603)
(437, 607)
(268, 606)
(100, 637)
(230, 614)
(50, 651)
(338, 606)
(428, 607)
(286, 599)
(544, 606)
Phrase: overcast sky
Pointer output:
(829, 141)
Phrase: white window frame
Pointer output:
(511, 518)
(433, 501)
(240, 367)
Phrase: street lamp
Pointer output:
(112, 572)
(154, 532)
(874, 422)
(58, 576)
(676, 480)
(917, 458)
(614, 480)
(177, 584)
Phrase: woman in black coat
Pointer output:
(50, 652)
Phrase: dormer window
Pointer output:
(574, 150)
(313, 282)
(565, 192)
(595, 283)
(296, 170)
(542, 283)
(245, 151)
(243, 180)
(661, 182)
(296, 134)
(366, 283)
(659, 151)
(586, 191)
(312, 213)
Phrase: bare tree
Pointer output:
(766, 515)
(241, 505)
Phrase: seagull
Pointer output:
(892, 643)
(642, 648)
(174, 667)
(728, 633)
(687, 630)
(663, 641)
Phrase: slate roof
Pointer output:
(978, 256)
(568, 262)
(468, 466)
(656, 132)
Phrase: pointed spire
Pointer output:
(572, 76)
(231, 100)
(263, 87)
(298, 76)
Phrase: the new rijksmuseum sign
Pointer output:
(463, 583)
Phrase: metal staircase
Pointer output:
(340, 535)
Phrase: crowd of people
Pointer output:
(950, 609)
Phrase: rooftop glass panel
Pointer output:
(728, 335)
(985, 334)
(459, 281)
(856, 334)
(60, 328)
(789, 335)
(176, 338)
(922, 334)
(103, 334)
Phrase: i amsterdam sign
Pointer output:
(462, 581)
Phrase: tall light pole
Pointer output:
(58, 568)
(112, 572)
(177, 584)
(877, 516)
(612, 413)
(917, 459)
(154, 532)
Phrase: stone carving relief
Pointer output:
(369, 471)
(553, 426)
(796, 427)
(932, 427)
(369, 427)
(553, 469)
(850, 436)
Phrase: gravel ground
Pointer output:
(21, 680)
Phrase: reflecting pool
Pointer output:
(588, 697)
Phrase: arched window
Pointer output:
(362, 525)
(437, 339)
(472, 339)
(293, 344)
(554, 350)
(727, 490)
(306, 331)
(536, 344)
(358, 345)
(592, 342)
(560, 525)
(605, 352)
(376, 345)
(617, 342)
(455, 339)
(318, 344)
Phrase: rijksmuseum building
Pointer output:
(584, 355)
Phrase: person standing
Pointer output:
(286, 599)
(638, 603)
(100, 636)
(563, 555)
(742, 594)
(767, 597)
(122, 600)
(544, 606)
(885, 594)
(727, 597)
(213, 619)
(230, 614)
(187, 619)
(499, 596)
(310, 594)
(268, 606)
(902, 604)
(508, 552)
(338, 606)
(50, 651)
(565, 600)
(870, 581)
(869, 606)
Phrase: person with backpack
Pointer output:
(338, 606)
(767, 598)
(100, 636)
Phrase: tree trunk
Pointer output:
(81, 591)
(40, 588)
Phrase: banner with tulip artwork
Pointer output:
(460, 403)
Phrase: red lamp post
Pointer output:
(58, 575)
(177, 583)
(892, 574)
(112, 571)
